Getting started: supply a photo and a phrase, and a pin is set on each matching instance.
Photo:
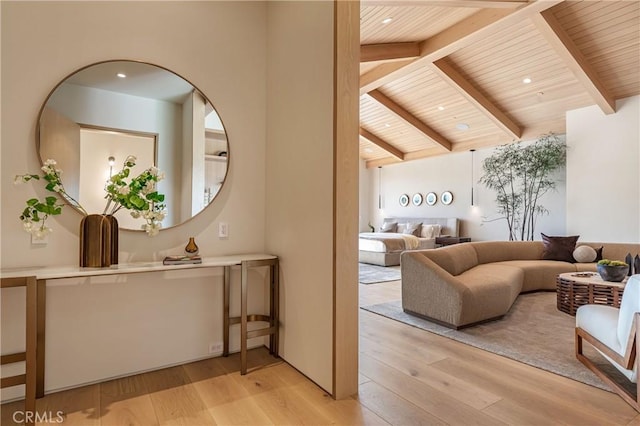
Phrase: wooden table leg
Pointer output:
(40, 345)
(243, 318)
(31, 367)
(225, 313)
(276, 306)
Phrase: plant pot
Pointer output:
(98, 241)
(613, 273)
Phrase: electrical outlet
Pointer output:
(215, 347)
(39, 241)
(223, 230)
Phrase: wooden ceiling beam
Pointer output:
(382, 74)
(466, 32)
(557, 38)
(414, 121)
(436, 151)
(480, 4)
(414, 155)
(449, 74)
(382, 144)
(370, 164)
(389, 51)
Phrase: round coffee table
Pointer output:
(575, 289)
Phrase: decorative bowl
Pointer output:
(613, 273)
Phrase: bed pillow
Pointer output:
(559, 248)
(430, 231)
(412, 229)
(389, 227)
(427, 231)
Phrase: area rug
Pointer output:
(533, 332)
(370, 274)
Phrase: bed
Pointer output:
(401, 234)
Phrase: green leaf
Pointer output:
(154, 196)
(136, 201)
(32, 202)
(43, 208)
(51, 201)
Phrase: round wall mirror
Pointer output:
(102, 113)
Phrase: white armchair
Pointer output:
(615, 334)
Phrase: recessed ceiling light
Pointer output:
(526, 80)
(121, 75)
(386, 21)
(440, 108)
(368, 150)
(387, 125)
(462, 126)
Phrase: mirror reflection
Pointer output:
(105, 112)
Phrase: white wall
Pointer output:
(100, 328)
(365, 197)
(299, 178)
(452, 173)
(603, 173)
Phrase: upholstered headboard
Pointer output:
(450, 225)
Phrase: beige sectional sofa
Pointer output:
(467, 283)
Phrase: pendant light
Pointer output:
(472, 155)
(379, 187)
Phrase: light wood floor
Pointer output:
(407, 377)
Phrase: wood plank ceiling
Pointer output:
(441, 76)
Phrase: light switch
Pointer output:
(223, 230)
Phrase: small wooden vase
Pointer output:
(98, 241)
(191, 248)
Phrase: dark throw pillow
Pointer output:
(599, 254)
(559, 248)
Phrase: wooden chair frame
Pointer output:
(628, 361)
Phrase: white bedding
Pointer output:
(387, 242)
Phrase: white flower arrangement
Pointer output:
(139, 195)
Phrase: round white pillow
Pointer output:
(584, 254)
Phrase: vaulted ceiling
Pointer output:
(441, 76)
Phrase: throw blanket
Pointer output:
(393, 242)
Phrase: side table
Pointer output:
(447, 241)
(575, 289)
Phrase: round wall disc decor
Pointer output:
(446, 197)
(417, 199)
(404, 200)
(431, 198)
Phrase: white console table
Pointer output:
(37, 298)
